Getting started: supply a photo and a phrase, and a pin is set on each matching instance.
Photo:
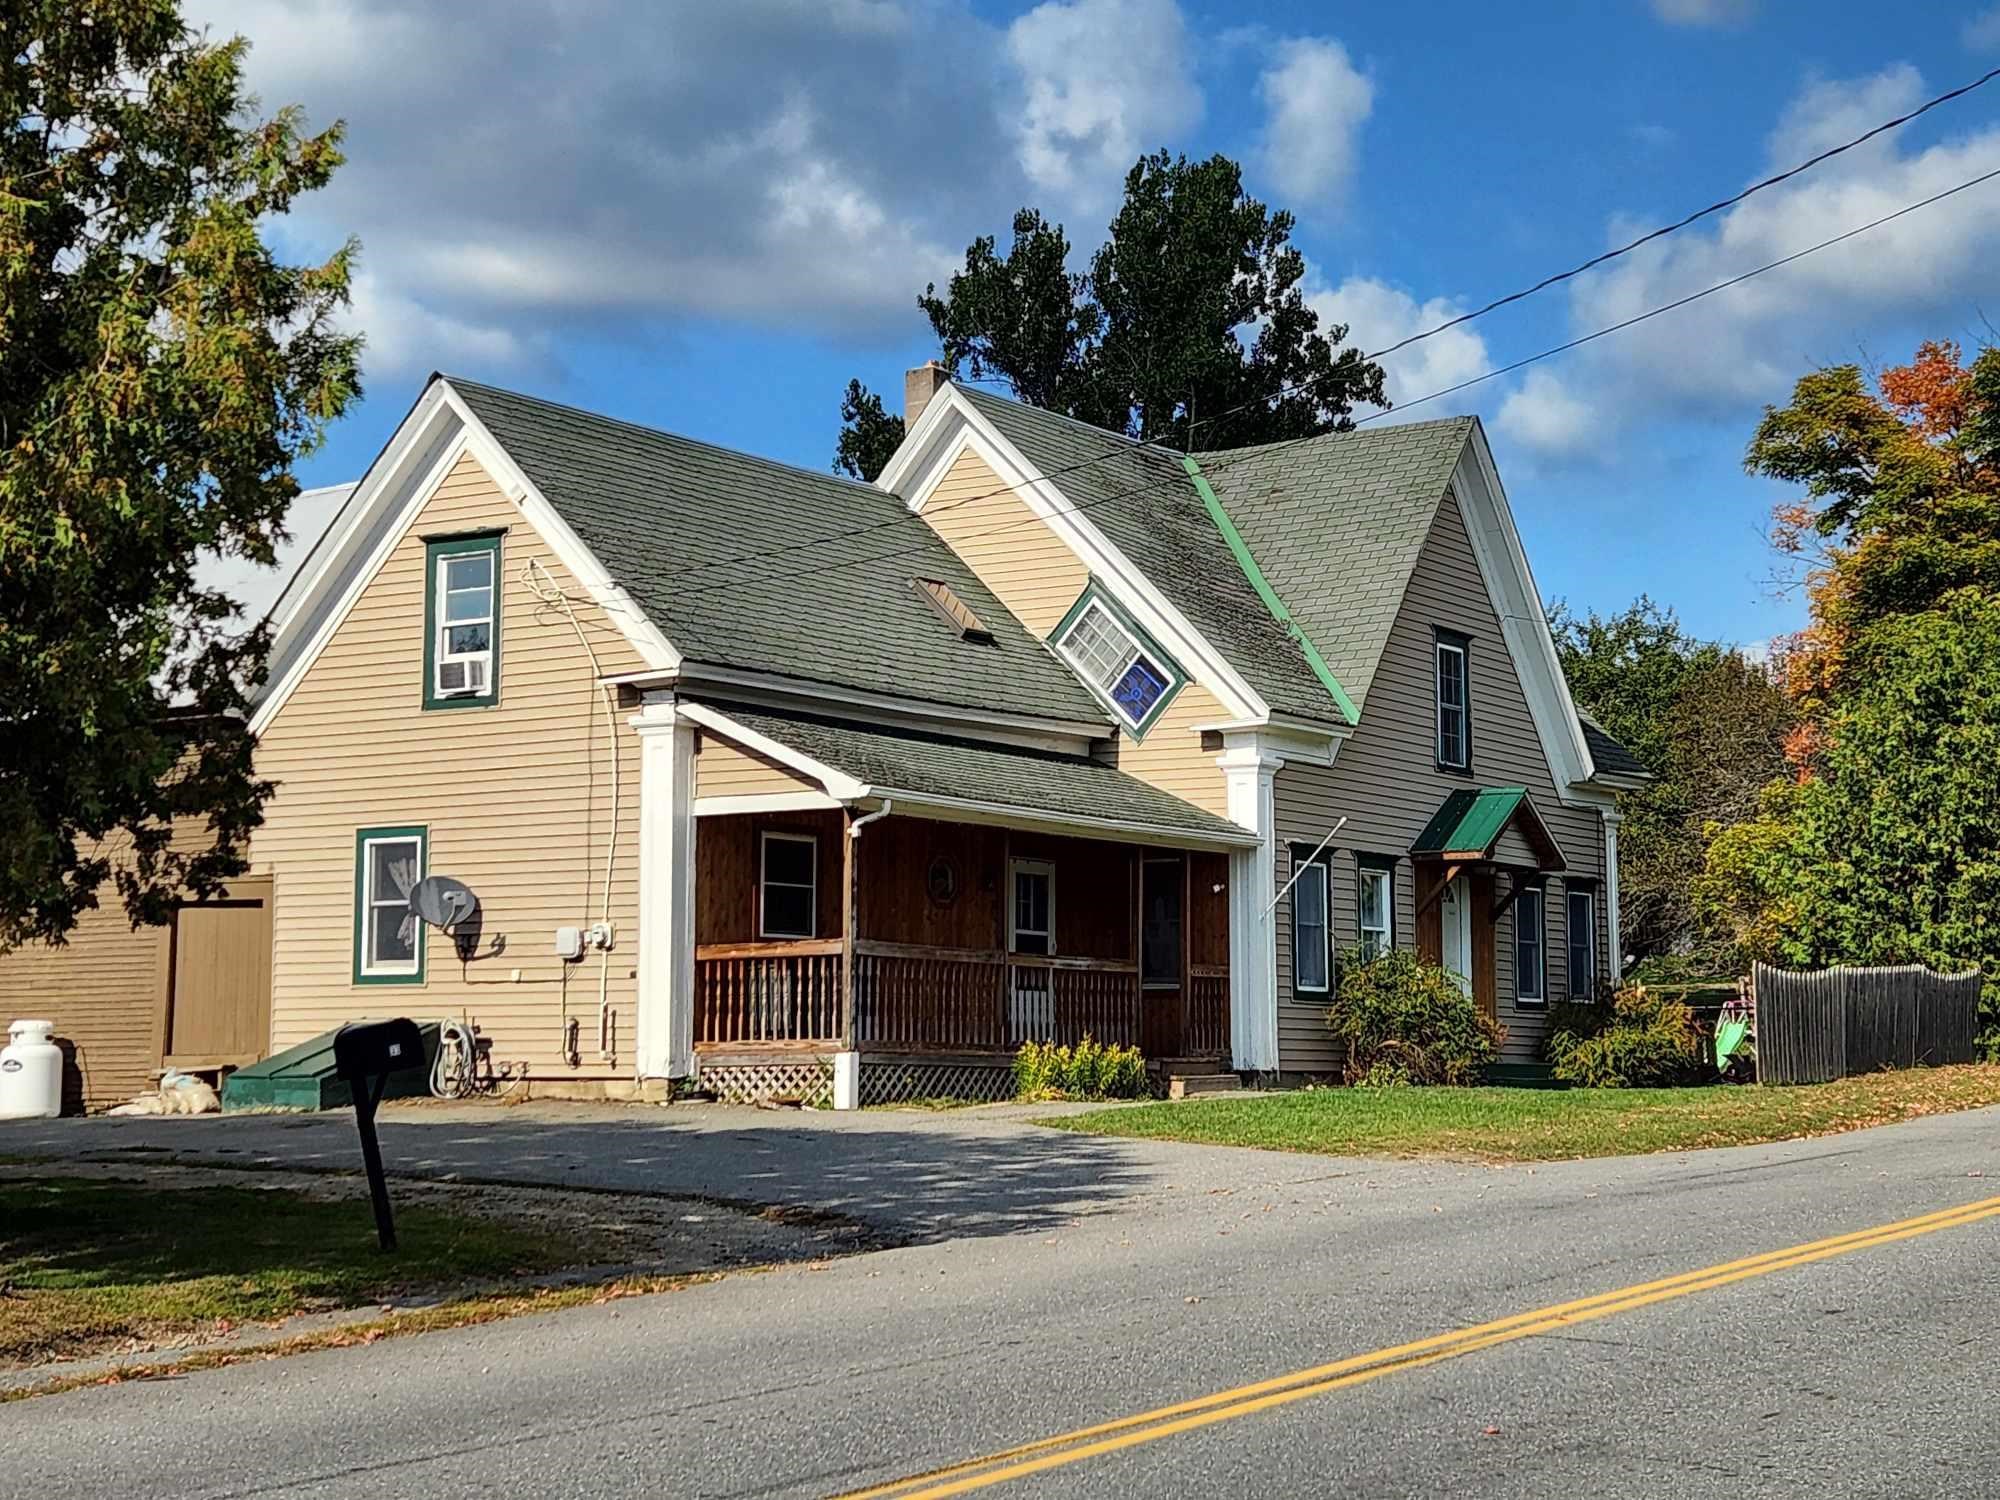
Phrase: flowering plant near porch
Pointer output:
(1089, 1070)
(1408, 1022)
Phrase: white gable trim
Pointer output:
(424, 449)
(837, 784)
(950, 426)
(1503, 565)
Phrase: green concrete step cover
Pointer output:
(302, 1078)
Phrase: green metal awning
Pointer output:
(1469, 822)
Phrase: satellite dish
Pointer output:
(442, 901)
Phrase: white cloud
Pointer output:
(526, 170)
(1981, 33)
(1723, 356)
(1104, 81)
(1378, 315)
(1544, 416)
(1315, 102)
(1704, 12)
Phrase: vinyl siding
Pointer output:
(102, 990)
(1029, 568)
(1171, 757)
(517, 798)
(1385, 782)
(723, 770)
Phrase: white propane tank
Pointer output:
(30, 1072)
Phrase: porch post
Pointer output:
(1616, 966)
(847, 1062)
(1248, 771)
(666, 892)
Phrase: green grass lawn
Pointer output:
(1502, 1124)
(88, 1265)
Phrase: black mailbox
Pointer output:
(364, 1055)
(370, 1049)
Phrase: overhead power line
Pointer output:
(1223, 465)
(1126, 445)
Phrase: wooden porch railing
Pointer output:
(1207, 1010)
(761, 994)
(969, 999)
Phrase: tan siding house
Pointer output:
(516, 797)
(1028, 566)
(102, 990)
(1385, 781)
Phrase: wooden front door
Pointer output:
(1162, 953)
(219, 979)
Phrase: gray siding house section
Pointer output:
(1386, 783)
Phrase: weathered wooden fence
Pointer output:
(1812, 1028)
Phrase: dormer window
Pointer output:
(1134, 678)
(462, 621)
(1452, 654)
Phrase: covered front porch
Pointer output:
(1482, 849)
(934, 949)
(883, 914)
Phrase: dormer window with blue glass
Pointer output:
(1134, 677)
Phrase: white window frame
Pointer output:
(1464, 705)
(1047, 870)
(1314, 871)
(1130, 650)
(1539, 995)
(765, 838)
(367, 966)
(441, 657)
(1588, 896)
(1366, 872)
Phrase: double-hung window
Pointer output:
(388, 936)
(1376, 904)
(788, 886)
(1114, 661)
(462, 622)
(1531, 958)
(1452, 656)
(1311, 948)
(1581, 931)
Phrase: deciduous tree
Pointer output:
(161, 370)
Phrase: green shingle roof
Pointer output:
(1041, 784)
(828, 597)
(1337, 523)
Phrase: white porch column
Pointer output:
(1248, 771)
(666, 892)
(1611, 821)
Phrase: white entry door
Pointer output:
(1456, 909)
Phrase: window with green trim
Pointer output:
(462, 621)
(1131, 675)
(388, 936)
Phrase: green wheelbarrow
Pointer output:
(1736, 1042)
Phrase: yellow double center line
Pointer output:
(1282, 1390)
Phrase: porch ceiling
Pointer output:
(957, 779)
(1468, 824)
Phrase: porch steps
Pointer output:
(1188, 1085)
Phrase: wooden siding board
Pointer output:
(1028, 567)
(104, 991)
(725, 770)
(1385, 782)
(517, 799)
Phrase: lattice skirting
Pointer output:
(901, 1080)
(807, 1079)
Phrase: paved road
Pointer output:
(1025, 1311)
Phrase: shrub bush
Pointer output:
(1407, 1022)
(1089, 1070)
(1640, 1040)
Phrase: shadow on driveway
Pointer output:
(911, 1177)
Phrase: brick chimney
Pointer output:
(919, 385)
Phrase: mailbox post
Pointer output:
(364, 1055)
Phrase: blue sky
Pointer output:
(707, 218)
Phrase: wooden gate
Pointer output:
(217, 977)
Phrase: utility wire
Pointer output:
(1125, 446)
(1223, 465)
